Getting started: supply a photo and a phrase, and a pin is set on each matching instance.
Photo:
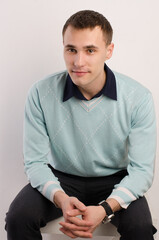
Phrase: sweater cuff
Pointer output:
(50, 188)
(123, 196)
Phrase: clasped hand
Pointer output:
(80, 221)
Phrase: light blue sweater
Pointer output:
(90, 138)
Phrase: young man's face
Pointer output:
(85, 52)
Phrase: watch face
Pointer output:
(110, 216)
(108, 219)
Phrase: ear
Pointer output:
(110, 49)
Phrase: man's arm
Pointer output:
(141, 153)
(37, 147)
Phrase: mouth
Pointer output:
(80, 73)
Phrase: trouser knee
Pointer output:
(137, 231)
(18, 219)
(135, 222)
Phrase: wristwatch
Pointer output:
(108, 210)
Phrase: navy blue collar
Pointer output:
(108, 90)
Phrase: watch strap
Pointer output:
(108, 210)
(107, 207)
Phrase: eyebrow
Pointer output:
(85, 47)
(69, 46)
(91, 46)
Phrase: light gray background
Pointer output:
(31, 48)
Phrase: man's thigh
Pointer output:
(33, 206)
(136, 216)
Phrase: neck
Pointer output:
(90, 91)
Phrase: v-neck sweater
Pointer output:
(90, 138)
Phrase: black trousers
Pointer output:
(30, 210)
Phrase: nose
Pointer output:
(79, 60)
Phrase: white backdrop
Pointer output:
(31, 48)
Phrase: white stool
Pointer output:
(52, 228)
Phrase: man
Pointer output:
(89, 143)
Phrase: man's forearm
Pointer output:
(59, 198)
(114, 204)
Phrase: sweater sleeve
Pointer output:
(141, 154)
(36, 147)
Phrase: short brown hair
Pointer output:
(90, 19)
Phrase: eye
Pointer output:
(71, 50)
(91, 51)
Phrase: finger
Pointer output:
(79, 222)
(74, 227)
(82, 234)
(78, 204)
(74, 212)
(68, 233)
(75, 234)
